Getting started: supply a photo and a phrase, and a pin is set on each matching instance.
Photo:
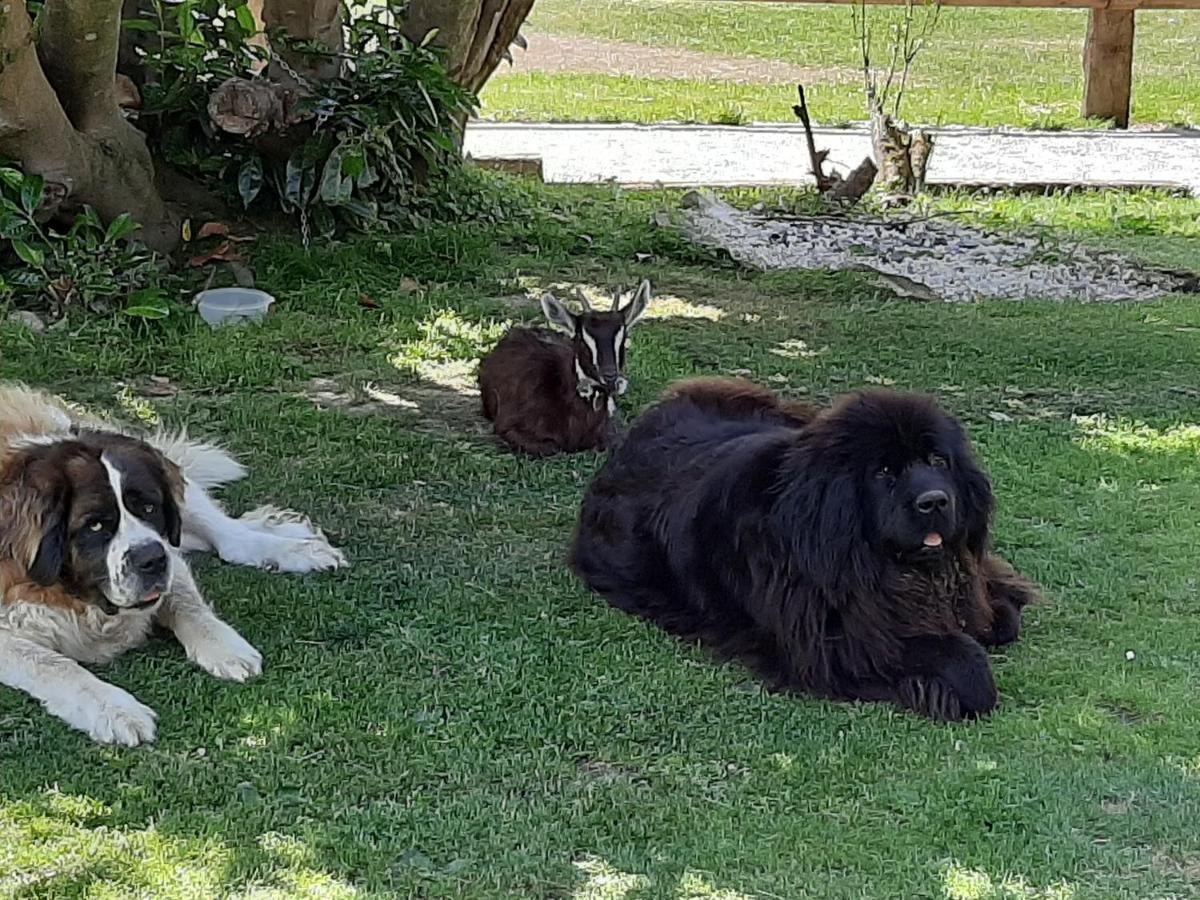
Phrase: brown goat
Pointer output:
(547, 392)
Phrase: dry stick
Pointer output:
(833, 187)
(816, 158)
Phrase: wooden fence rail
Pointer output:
(1107, 49)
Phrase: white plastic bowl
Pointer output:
(228, 306)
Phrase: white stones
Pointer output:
(933, 259)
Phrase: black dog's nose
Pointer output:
(931, 501)
(149, 559)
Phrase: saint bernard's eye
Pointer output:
(149, 509)
(96, 527)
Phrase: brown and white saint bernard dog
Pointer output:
(94, 523)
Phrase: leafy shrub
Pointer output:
(88, 265)
(374, 133)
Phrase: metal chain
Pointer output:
(305, 232)
(305, 237)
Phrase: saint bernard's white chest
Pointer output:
(92, 636)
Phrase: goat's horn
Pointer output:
(582, 298)
(616, 299)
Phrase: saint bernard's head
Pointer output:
(95, 515)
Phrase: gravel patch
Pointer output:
(934, 259)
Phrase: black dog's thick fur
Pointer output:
(754, 527)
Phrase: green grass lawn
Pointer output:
(981, 67)
(454, 716)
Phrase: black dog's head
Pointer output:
(892, 474)
(97, 515)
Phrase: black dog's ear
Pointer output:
(977, 501)
(821, 512)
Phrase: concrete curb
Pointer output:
(773, 154)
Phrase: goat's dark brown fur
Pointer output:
(549, 392)
(843, 553)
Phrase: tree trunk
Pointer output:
(59, 116)
(901, 152)
(476, 34)
(319, 21)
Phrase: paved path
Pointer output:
(774, 154)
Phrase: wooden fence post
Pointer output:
(1108, 65)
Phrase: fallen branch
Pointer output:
(834, 188)
(816, 158)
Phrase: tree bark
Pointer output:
(319, 21)
(59, 116)
(475, 34)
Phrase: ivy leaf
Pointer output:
(148, 303)
(12, 177)
(364, 210)
(121, 227)
(335, 190)
(139, 25)
(250, 180)
(33, 188)
(293, 186)
(31, 256)
(354, 163)
(245, 19)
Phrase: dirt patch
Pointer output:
(570, 54)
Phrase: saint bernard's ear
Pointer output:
(34, 499)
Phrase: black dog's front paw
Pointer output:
(1006, 623)
(954, 679)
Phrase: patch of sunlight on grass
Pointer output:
(1189, 766)
(303, 884)
(961, 883)
(138, 408)
(662, 306)
(606, 882)
(447, 350)
(54, 839)
(782, 761)
(1126, 436)
(693, 886)
(671, 306)
(794, 348)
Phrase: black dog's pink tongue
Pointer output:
(933, 539)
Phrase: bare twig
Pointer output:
(816, 158)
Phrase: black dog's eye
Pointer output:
(884, 472)
(938, 462)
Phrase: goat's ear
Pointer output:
(637, 306)
(558, 315)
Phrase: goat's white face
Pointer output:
(599, 339)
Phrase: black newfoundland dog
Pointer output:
(841, 552)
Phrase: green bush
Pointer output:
(376, 134)
(89, 265)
